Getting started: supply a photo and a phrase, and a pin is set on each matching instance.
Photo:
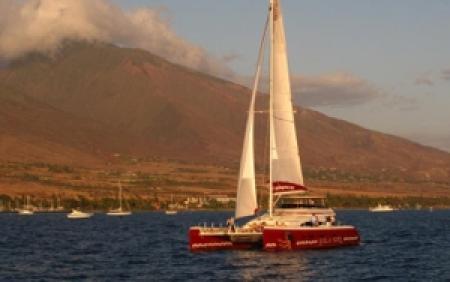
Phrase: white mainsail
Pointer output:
(286, 171)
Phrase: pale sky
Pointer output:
(401, 48)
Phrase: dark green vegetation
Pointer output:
(156, 203)
(8, 203)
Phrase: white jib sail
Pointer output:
(246, 202)
(285, 159)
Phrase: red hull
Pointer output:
(277, 239)
(198, 242)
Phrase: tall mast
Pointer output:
(120, 195)
(271, 145)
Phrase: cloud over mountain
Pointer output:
(44, 25)
(338, 89)
(445, 74)
(424, 79)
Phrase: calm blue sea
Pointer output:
(400, 246)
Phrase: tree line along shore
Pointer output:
(180, 202)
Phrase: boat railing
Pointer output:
(228, 230)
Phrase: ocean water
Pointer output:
(399, 246)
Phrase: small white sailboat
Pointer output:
(27, 209)
(171, 210)
(382, 208)
(59, 206)
(78, 214)
(119, 211)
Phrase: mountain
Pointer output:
(93, 100)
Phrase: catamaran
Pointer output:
(120, 211)
(294, 220)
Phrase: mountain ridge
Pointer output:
(95, 100)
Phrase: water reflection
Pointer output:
(257, 265)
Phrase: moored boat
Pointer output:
(119, 212)
(27, 209)
(78, 214)
(25, 212)
(171, 212)
(382, 208)
(295, 219)
(171, 209)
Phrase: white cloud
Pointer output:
(445, 74)
(424, 80)
(400, 103)
(44, 25)
(338, 89)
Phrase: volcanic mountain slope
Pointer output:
(34, 131)
(93, 100)
(158, 108)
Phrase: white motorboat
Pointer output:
(78, 214)
(25, 212)
(171, 212)
(382, 208)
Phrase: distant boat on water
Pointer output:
(382, 208)
(171, 210)
(27, 209)
(78, 214)
(59, 206)
(119, 211)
